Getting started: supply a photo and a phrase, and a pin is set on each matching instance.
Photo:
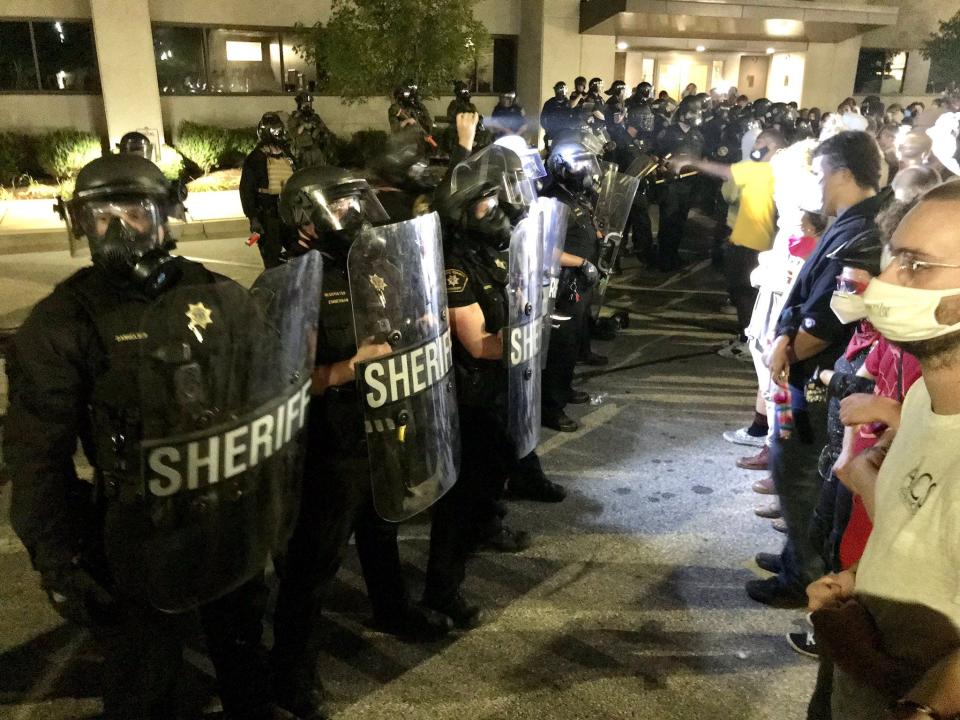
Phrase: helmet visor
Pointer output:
(330, 208)
(140, 217)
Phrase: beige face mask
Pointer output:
(905, 314)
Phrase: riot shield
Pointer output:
(407, 389)
(553, 229)
(211, 486)
(614, 201)
(524, 333)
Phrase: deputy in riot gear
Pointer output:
(329, 208)
(136, 143)
(615, 116)
(682, 137)
(579, 91)
(462, 103)
(310, 138)
(574, 178)
(642, 95)
(593, 104)
(509, 115)
(407, 110)
(873, 107)
(130, 356)
(265, 171)
(555, 116)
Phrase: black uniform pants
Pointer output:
(568, 342)
(143, 658)
(271, 240)
(337, 502)
(675, 203)
(462, 516)
(738, 263)
(641, 228)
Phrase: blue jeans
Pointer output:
(796, 476)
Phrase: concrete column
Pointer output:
(917, 74)
(829, 73)
(128, 70)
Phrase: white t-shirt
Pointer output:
(913, 554)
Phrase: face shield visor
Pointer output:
(343, 208)
(135, 222)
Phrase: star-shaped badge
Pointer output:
(200, 316)
(379, 284)
(500, 264)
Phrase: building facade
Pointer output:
(114, 65)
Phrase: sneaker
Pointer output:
(770, 511)
(775, 594)
(740, 436)
(803, 643)
(738, 351)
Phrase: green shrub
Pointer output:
(17, 156)
(170, 162)
(240, 143)
(203, 145)
(61, 153)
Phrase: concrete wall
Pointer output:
(785, 78)
(829, 73)
(34, 113)
(918, 18)
(59, 9)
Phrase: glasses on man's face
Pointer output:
(908, 262)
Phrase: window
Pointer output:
(48, 56)
(495, 69)
(940, 77)
(880, 72)
(197, 60)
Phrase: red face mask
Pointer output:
(802, 246)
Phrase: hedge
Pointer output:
(210, 146)
(61, 153)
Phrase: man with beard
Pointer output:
(905, 586)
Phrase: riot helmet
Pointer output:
(560, 90)
(461, 91)
(690, 111)
(136, 143)
(405, 163)
(760, 108)
(304, 101)
(482, 192)
(644, 90)
(573, 160)
(596, 85)
(507, 99)
(617, 89)
(580, 83)
(121, 204)
(530, 170)
(336, 202)
(271, 130)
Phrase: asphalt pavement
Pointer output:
(629, 604)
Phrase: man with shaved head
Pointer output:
(901, 605)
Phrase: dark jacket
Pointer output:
(253, 177)
(808, 305)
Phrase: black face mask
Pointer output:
(352, 223)
(151, 271)
(493, 229)
(560, 93)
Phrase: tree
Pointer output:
(369, 47)
(942, 49)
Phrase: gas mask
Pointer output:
(125, 241)
(493, 229)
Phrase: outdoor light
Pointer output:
(700, 48)
(770, 51)
(622, 45)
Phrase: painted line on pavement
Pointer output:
(222, 262)
(588, 422)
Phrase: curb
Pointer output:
(55, 239)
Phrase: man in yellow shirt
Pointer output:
(755, 225)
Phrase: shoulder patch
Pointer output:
(456, 281)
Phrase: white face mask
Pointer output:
(905, 314)
(848, 307)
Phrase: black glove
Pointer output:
(78, 597)
(591, 275)
(256, 226)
